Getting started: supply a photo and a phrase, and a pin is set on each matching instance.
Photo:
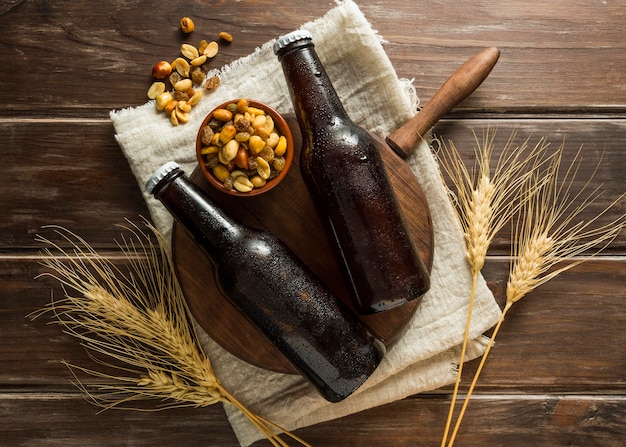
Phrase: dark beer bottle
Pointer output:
(344, 172)
(319, 335)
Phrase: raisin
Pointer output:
(228, 184)
(207, 135)
(212, 83)
(212, 160)
(242, 125)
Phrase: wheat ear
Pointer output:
(136, 322)
(547, 239)
(486, 201)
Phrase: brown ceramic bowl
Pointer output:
(281, 127)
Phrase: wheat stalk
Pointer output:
(136, 323)
(486, 200)
(549, 236)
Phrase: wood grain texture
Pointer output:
(544, 49)
(557, 374)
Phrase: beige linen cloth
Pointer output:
(426, 356)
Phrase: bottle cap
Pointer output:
(160, 174)
(292, 37)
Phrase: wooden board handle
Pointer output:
(459, 86)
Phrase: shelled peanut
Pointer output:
(179, 85)
(242, 147)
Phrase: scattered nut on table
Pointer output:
(186, 25)
(226, 36)
(161, 70)
(182, 79)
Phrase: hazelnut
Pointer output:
(161, 70)
(186, 25)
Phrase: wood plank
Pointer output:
(567, 334)
(88, 43)
(564, 49)
(602, 143)
(89, 187)
(551, 53)
(536, 348)
(70, 173)
(50, 419)
(490, 420)
(510, 420)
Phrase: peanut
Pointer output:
(263, 168)
(257, 181)
(243, 184)
(174, 118)
(181, 115)
(272, 140)
(184, 106)
(195, 99)
(229, 151)
(156, 89)
(181, 66)
(197, 61)
(183, 85)
(189, 51)
(259, 121)
(211, 50)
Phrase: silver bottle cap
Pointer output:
(293, 36)
(160, 174)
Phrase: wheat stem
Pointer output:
(477, 375)
(460, 368)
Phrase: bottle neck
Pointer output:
(314, 97)
(206, 223)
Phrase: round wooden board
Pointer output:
(289, 213)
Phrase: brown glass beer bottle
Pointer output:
(343, 170)
(317, 333)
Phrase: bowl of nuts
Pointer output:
(244, 147)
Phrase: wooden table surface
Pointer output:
(557, 376)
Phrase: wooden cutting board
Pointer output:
(289, 213)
